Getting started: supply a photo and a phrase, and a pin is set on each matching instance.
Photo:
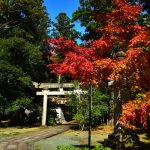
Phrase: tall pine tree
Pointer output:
(64, 27)
(23, 26)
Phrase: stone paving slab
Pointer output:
(25, 142)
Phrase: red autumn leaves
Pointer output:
(96, 61)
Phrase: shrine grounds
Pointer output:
(74, 137)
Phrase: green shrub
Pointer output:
(51, 121)
(69, 147)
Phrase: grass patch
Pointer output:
(11, 131)
(144, 138)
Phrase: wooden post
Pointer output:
(44, 115)
(90, 113)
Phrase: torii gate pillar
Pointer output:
(44, 113)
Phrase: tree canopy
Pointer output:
(120, 54)
(23, 26)
(98, 60)
(29, 15)
(64, 27)
(89, 10)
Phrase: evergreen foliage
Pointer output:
(85, 12)
(23, 26)
(64, 27)
(28, 15)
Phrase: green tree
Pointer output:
(28, 15)
(23, 26)
(20, 65)
(84, 15)
(64, 27)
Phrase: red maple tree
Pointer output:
(120, 54)
(136, 113)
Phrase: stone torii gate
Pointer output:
(55, 89)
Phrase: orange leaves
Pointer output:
(119, 3)
(102, 70)
(148, 94)
(96, 61)
(130, 12)
(133, 52)
(134, 69)
(61, 45)
(103, 63)
(127, 11)
(136, 113)
(121, 22)
(102, 45)
(140, 38)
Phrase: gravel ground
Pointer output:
(72, 137)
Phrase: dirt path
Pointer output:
(72, 137)
(25, 141)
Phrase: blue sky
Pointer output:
(54, 7)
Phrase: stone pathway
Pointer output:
(25, 142)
